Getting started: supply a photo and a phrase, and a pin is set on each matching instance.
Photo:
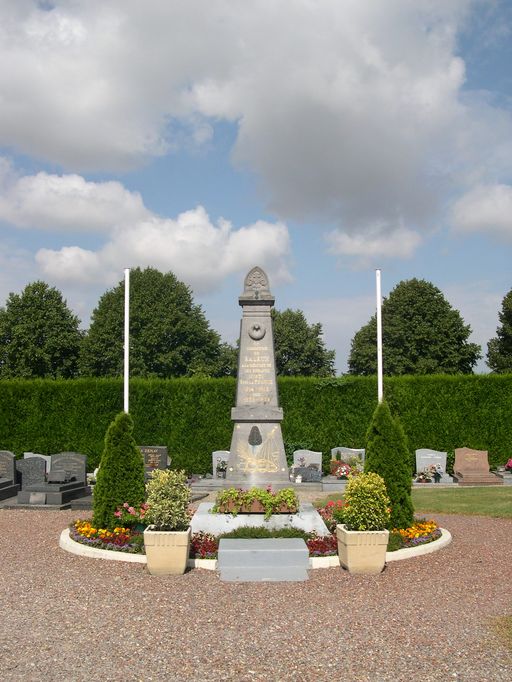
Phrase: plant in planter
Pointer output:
(363, 537)
(167, 538)
(256, 501)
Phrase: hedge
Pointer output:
(192, 416)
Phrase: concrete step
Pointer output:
(269, 559)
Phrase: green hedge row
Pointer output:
(192, 416)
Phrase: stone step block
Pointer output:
(269, 559)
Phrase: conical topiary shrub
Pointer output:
(387, 455)
(121, 474)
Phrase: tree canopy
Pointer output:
(39, 335)
(499, 349)
(421, 334)
(169, 334)
(299, 346)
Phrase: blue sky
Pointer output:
(319, 140)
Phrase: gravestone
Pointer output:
(346, 453)
(47, 458)
(257, 452)
(426, 458)
(8, 487)
(219, 456)
(308, 465)
(471, 467)
(67, 480)
(32, 471)
(73, 463)
(155, 457)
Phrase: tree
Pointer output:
(387, 455)
(421, 334)
(120, 477)
(39, 335)
(169, 334)
(299, 347)
(499, 349)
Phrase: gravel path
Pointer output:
(63, 617)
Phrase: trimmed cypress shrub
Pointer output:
(121, 475)
(387, 455)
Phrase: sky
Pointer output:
(318, 139)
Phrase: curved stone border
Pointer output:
(69, 545)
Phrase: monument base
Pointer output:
(257, 455)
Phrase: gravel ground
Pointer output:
(63, 617)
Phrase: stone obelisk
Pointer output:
(257, 450)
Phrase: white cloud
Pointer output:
(198, 251)
(66, 202)
(368, 247)
(486, 208)
(353, 117)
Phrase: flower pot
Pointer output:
(166, 551)
(362, 552)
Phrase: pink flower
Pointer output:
(117, 513)
(126, 505)
(131, 510)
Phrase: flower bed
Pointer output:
(120, 539)
(206, 545)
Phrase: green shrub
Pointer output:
(121, 475)
(192, 417)
(367, 503)
(388, 456)
(168, 500)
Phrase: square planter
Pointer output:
(167, 551)
(362, 552)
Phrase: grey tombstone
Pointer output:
(155, 457)
(73, 463)
(219, 456)
(47, 458)
(425, 457)
(306, 458)
(257, 451)
(7, 466)
(345, 453)
(8, 487)
(308, 465)
(32, 470)
(67, 480)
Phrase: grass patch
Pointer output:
(483, 501)
(503, 628)
(259, 532)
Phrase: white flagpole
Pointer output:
(380, 388)
(126, 337)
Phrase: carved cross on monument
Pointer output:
(257, 450)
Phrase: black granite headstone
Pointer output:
(155, 457)
(32, 471)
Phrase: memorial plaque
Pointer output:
(32, 471)
(257, 451)
(155, 457)
(7, 465)
(73, 463)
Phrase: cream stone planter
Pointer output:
(362, 551)
(166, 551)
